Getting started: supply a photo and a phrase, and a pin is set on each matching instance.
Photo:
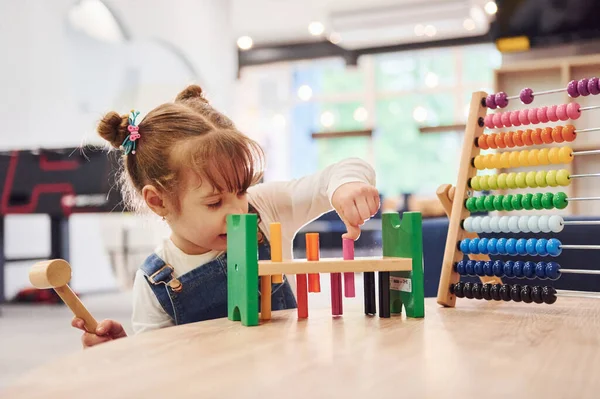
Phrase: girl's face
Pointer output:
(200, 223)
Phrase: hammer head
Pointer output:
(50, 274)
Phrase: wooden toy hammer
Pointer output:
(56, 274)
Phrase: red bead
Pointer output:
(568, 133)
(573, 111)
(489, 121)
(542, 114)
(547, 135)
(524, 117)
(532, 114)
(514, 118)
(500, 140)
(561, 112)
(491, 140)
(518, 138)
(557, 134)
(506, 119)
(482, 142)
(508, 139)
(536, 136)
(527, 137)
(551, 113)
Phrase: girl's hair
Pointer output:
(188, 134)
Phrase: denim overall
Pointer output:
(201, 293)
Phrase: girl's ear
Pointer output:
(155, 200)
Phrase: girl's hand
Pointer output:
(355, 203)
(107, 330)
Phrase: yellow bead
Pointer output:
(533, 157)
(513, 159)
(553, 155)
(565, 155)
(543, 157)
(478, 162)
(551, 178)
(475, 183)
(492, 181)
(520, 179)
(483, 182)
(540, 178)
(524, 158)
(487, 162)
(511, 180)
(563, 178)
(502, 181)
(530, 179)
(496, 161)
(505, 160)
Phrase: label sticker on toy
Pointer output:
(400, 284)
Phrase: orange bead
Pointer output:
(518, 138)
(568, 133)
(482, 142)
(491, 140)
(508, 139)
(527, 137)
(547, 135)
(500, 140)
(536, 136)
(557, 134)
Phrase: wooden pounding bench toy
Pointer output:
(400, 270)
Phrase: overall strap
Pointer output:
(159, 276)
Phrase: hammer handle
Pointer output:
(79, 310)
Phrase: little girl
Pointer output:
(189, 165)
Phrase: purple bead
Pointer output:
(501, 100)
(582, 87)
(490, 101)
(572, 89)
(526, 96)
(593, 87)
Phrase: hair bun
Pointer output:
(113, 128)
(192, 91)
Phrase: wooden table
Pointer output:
(477, 350)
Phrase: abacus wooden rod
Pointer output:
(579, 271)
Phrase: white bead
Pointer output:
(556, 223)
(476, 224)
(468, 224)
(543, 223)
(485, 224)
(533, 225)
(523, 224)
(503, 224)
(513, 224)
(494, 224)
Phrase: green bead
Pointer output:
(498, 202)
(517, 202)
(520, 180)
(470, 204)
(480, 204)
(536, 201)
(526, 202)
(507, 203)
(560, 200)
(489, 203)
(502, 181)
(547, 200)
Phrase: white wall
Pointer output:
(56, 82)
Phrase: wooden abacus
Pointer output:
(460, 201)
(400, 270)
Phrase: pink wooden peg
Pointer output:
(348, 251)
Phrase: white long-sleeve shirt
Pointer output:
(293, 203)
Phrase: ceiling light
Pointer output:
(419, 30)
(469, 24)
(420, 114)
(430, 30)
(335, 38)
(360, 114)
(491, 7)
(245, 43)
(327, 119)
(305, 92)
(316, 28)
(431, 80)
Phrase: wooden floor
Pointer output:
(477, 350)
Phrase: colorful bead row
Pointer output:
(514, 224)
(516, 159)
(519, 269)
(517, 202)
(532, 179)
(533, 116)
(583, 87)
(511, 246)
(504, 292)
(529, 137)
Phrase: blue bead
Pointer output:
(531, 246)
(483, 246)
(518, 268)
(501, 246)
(498, 268)
(474, 246)
(460, 267)
(492, 246)
(487, 268)
(478, 268)
(540, 270)
(522, 246)
(553, 270)
(540, 247)
(464, 246)
(511, 246)
(553, 247)
(529, 269)
(508, 268)
(469, 267)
